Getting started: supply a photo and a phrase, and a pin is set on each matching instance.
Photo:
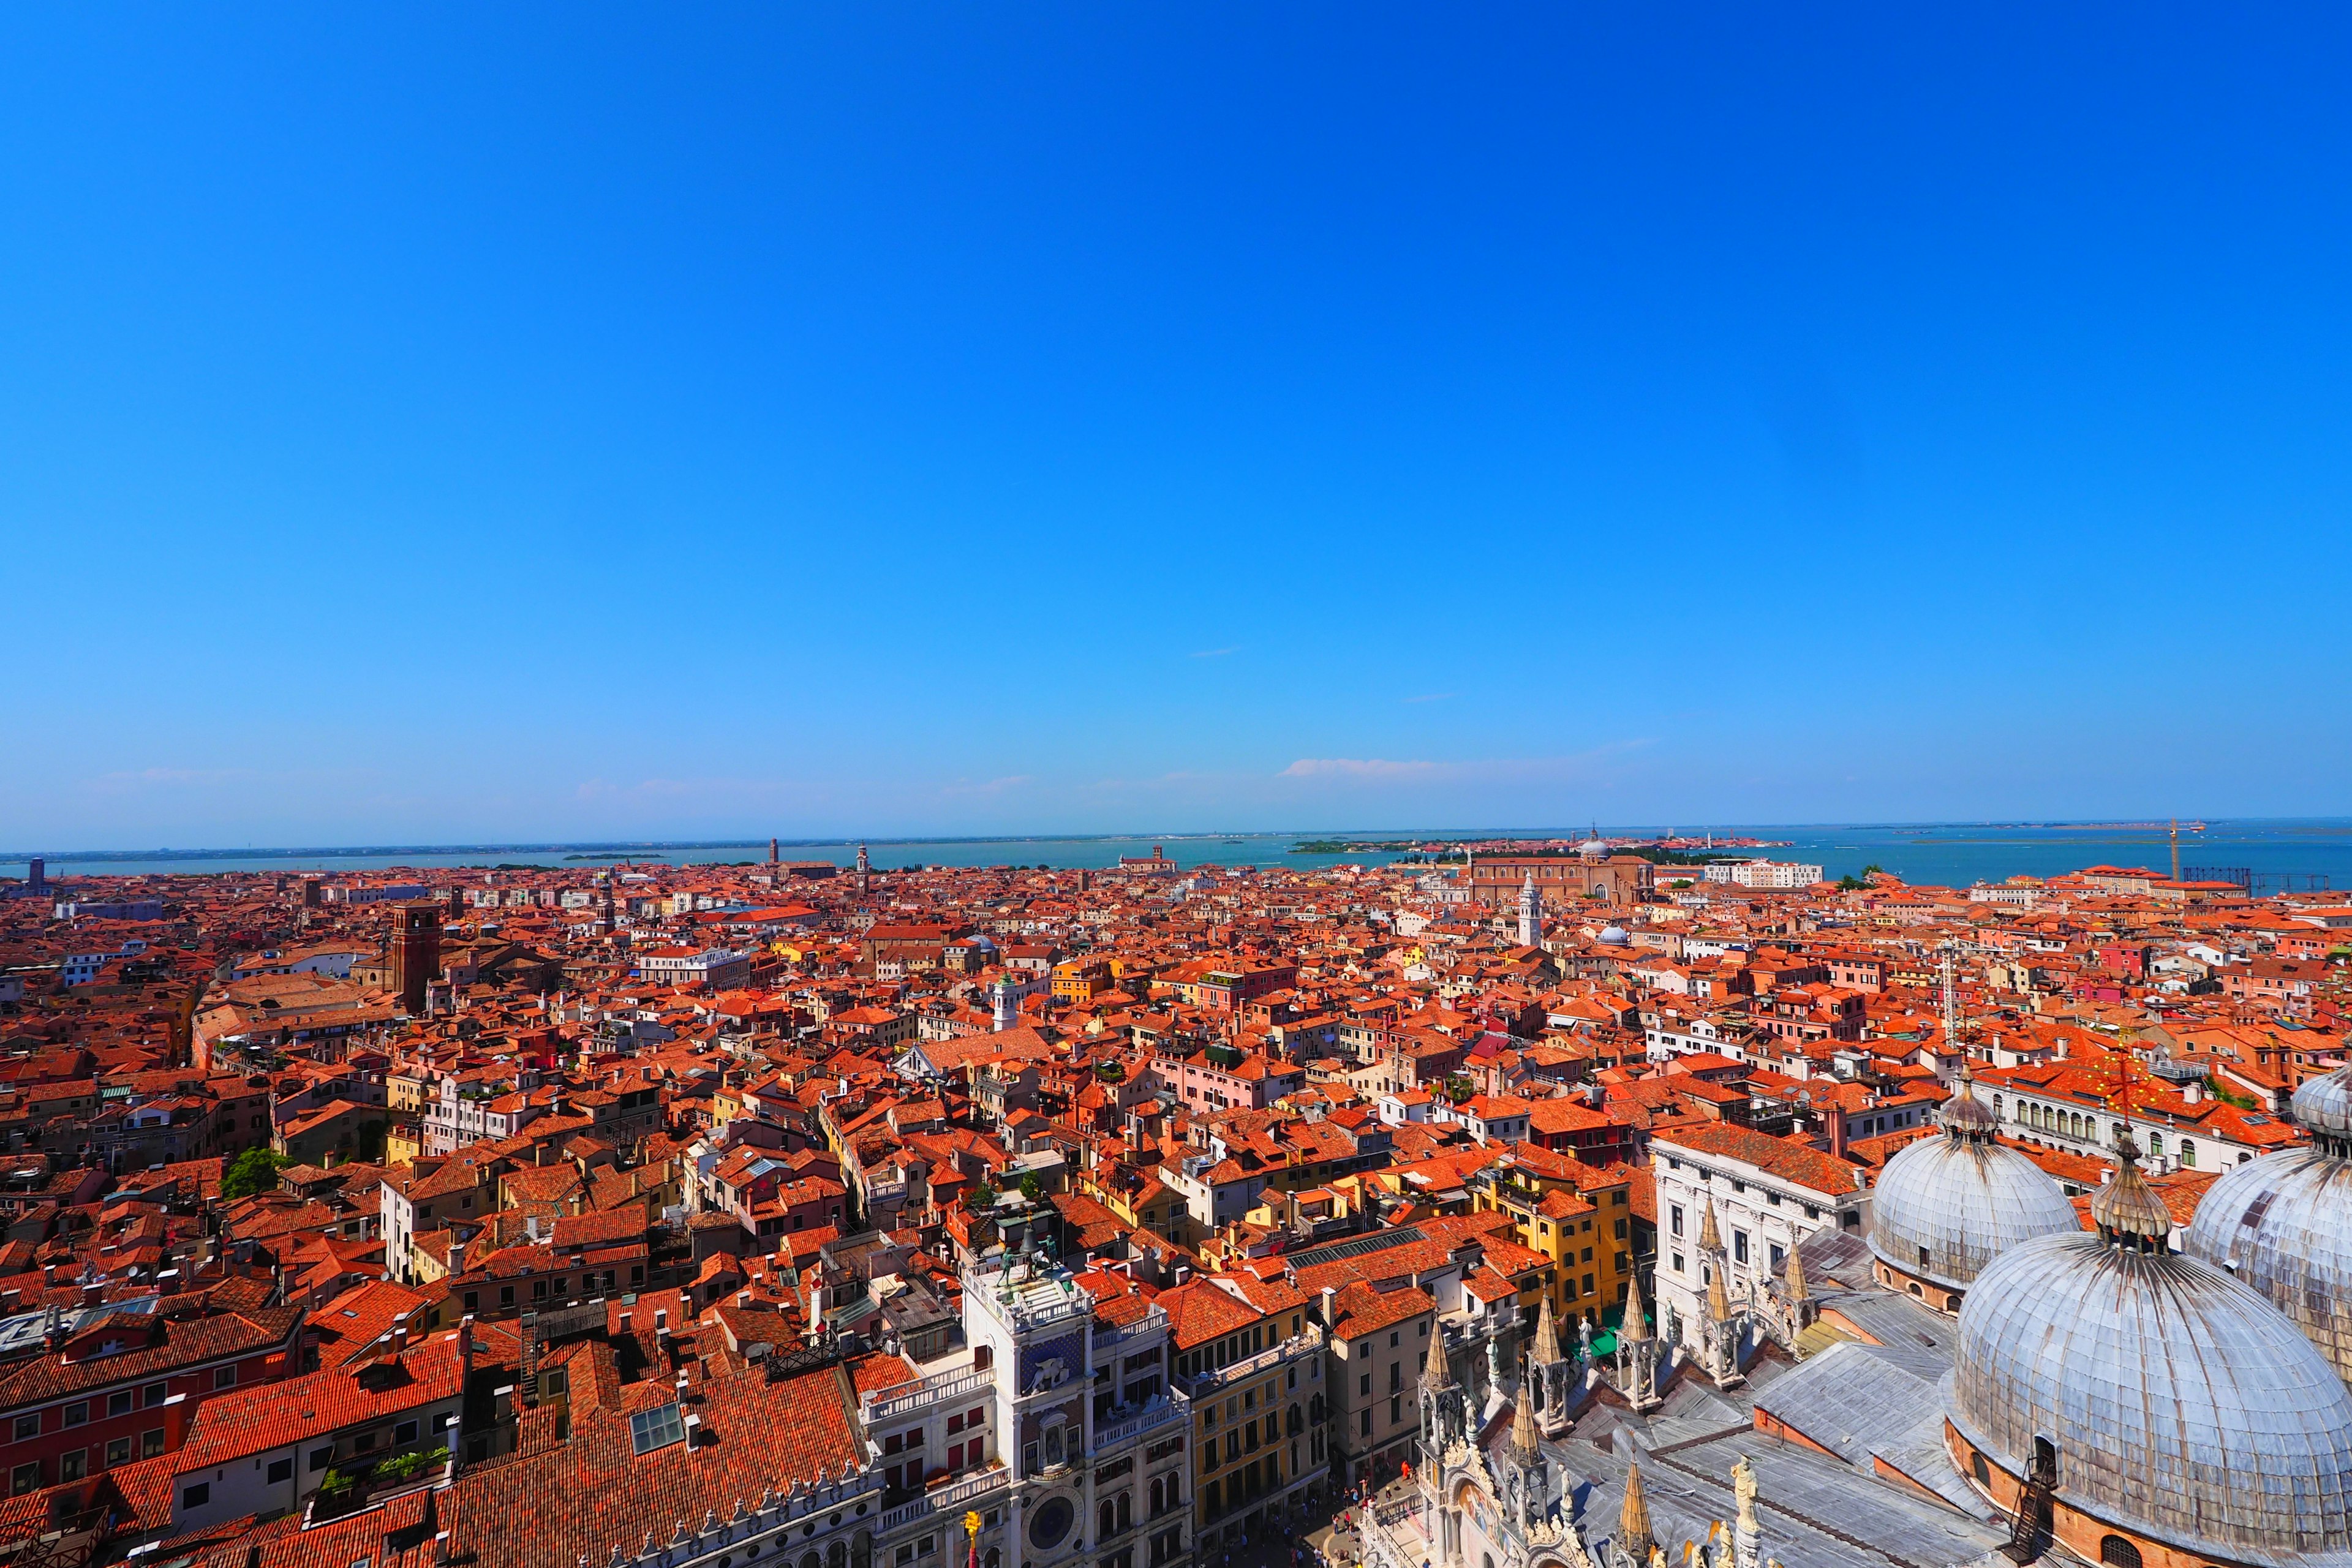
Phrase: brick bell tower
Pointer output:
(415, 953)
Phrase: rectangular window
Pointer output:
(405, 1433)
(224, 1377)
(280, 1471)
(72, 1464)
(29, 1427)
(24, 1477)
(322, 1458)
(119, 1403)
(151, 1443)
(196, 1496)
(77, 1414)
(1739, 1247)
(154, 1394)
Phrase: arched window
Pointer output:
(1983, 1471)
(2156, 1145)
(2118, 1553)
(837, 1555)
(861, 1549)
(1105, 1523)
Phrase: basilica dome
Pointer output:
(2282, 1223)
(2174, 1404)
(1946, 1205)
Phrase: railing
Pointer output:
(1153, 1322)
(889, 1403)
(1310, 1339)
(1157, 1411)
(942, 1500)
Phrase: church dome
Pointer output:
(2323, 1106)
(2282, 1223)
(1594, 847)
(2181, 1407)
(1946, 1206)
(1614, 936)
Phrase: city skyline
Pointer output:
(450, 427)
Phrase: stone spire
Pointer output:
(1435, 1373)
(1635, 1325)
(1718, 1300)
(1633, 1539)
(1797, 1294)
(1547, 1337)
(1710, 1238)
(1523, 1428)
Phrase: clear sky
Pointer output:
(426, 423)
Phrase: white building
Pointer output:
(1768, 1194)
(1760, 873)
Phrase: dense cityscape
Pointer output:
(1556, 1203)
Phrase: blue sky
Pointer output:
(440, 422)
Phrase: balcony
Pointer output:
(952, 1497)
(891, 1403)
(1308, 1342)
(1113, 1340)
(1159, 1410)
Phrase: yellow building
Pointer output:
(1080, 980)
(402, 1143)
(1250, 1359)
(1578, 1216)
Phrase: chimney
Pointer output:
(2193, 1091)
(1330, 1305)
(1835, 1116)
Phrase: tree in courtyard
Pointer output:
(255, 1171)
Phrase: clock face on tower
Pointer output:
(1050, 1523)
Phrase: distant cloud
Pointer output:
(1432, 697)
(1358, 768)
(991, 787)
(1582, 766)
(1213, 652)
(133, 778)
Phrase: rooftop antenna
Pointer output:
(2176, 850)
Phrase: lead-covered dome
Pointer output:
(1946, 1206)
(2282, 1223)
(2180, 1405)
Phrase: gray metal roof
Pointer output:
(1866, 1403)
(1815, 1512)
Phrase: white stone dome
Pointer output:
(1614, 936)
(2182, 1408)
